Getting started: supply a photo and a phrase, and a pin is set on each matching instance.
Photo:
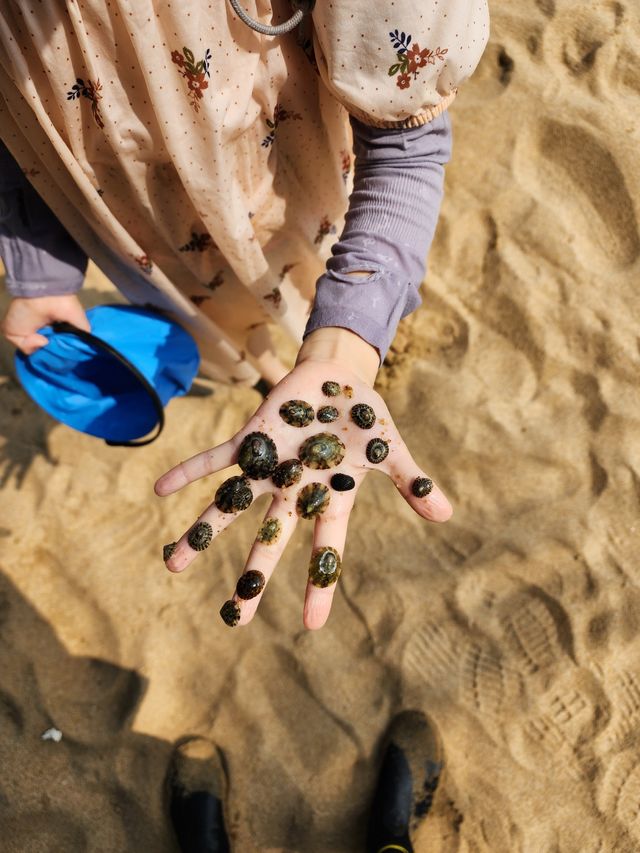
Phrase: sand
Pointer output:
(516, 624)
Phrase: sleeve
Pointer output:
(392, 217)
(40, 257)
(398, 64)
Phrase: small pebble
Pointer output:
(421, 486)
(250, 584)
(200, 536)
(330, 389)
(230, 613)
(52, 734)
(342, 482)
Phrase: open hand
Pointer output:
(308, 478)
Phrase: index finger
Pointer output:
(200, 465)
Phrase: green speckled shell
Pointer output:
(325, 567)
(258, 456)
(330, 389)
(313, 500)
(234, 495)
(321, 451)
(327, 414)
(288, 473)
(200, 536)
(297, 413)
(269, 531)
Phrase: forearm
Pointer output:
(39, 256)
(393, 212)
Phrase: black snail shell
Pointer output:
(327, 414)
(250, 584)
(297, 413)
(258, 456)
(421, 486)
(233, 495)
(168, 551)
(363, 415)
(269, 531)
(324, 567)
(323, 450)
(313, 499)
(287, 473)
(230, 613)
(330, 389)
(200, 536)
(377, 450)
(342, 482)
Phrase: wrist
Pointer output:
(336, 345)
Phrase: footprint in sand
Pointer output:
(619, 792)
(622, 683)
(577, 179)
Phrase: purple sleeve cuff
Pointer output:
(392, 217)
(39, 256)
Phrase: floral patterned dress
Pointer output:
(204, 167)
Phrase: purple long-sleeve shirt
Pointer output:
(392, 216)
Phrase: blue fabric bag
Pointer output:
(114, 382)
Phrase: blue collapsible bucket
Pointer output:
(115, 381)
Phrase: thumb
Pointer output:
(419, 491)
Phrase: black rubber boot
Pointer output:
(197, 789)
(409, 776)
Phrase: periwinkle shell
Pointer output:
(250, 584)
(234, 495)
(258, 456)
(297, 413)
(312, 501)
(421, 486)
(330, 389)
(325, 567)
(269, 531)
(320, 451)
(288, 473)
(363, 415)
(230, 613)
(200, 536)
(327, 414)
(377, 450)
(342, 482)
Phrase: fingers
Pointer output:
(330, 532)
(75, 314)
(179, 555)
(273, 537)
(28, 344)
(417, 488)
(200, 465)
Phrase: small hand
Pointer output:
(25, 316)
(327, 505)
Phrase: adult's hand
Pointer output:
(353, 444)
(25, 316)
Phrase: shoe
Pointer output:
(409, 776)
(197, 788)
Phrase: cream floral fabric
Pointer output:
(205, 168)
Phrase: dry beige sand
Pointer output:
(516, 624)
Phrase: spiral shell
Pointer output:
(377, 450)
(200, 536)
(327, 414)
(330, 389)
(363, 415)
(258, 456)
(320, 451)
(421, 486)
